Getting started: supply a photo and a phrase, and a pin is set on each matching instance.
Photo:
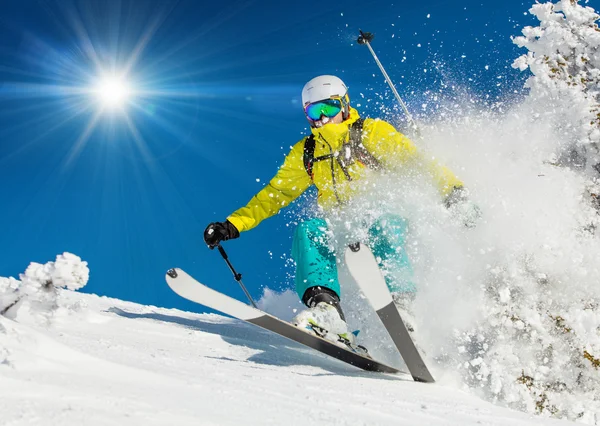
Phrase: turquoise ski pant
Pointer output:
(315, 255)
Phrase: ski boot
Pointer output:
(325, 318)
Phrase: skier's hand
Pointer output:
(219, 231)
(462, 208)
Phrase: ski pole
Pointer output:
(238, 277)
(367, 38)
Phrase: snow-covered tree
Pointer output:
(564, 57)
(39, 284)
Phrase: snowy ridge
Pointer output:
(105, 361)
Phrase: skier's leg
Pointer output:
(315, 258)
(387, 238)
(317, 281)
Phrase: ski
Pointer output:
(364, 269)
(188, 288)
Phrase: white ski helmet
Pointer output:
(325, 87)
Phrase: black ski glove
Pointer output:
(219, 231)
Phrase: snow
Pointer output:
(105, 361)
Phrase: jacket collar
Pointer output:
(335, 134)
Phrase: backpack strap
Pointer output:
(309, 154)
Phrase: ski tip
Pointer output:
(172, 273)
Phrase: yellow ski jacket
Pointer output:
(391, 148)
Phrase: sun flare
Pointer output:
(113, 92)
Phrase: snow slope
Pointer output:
(104, 361)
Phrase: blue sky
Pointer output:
(131, 194)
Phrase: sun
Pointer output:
(113, 92)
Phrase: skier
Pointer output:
(334, 158)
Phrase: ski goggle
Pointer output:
(327, 107)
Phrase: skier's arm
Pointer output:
(288, 184)
(393, 149)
